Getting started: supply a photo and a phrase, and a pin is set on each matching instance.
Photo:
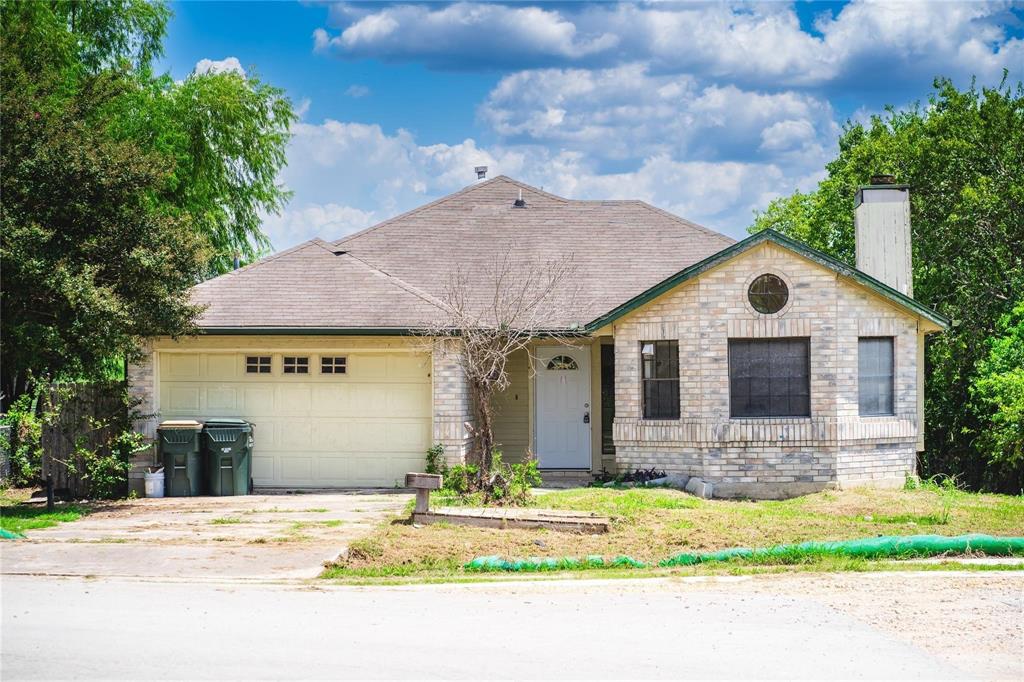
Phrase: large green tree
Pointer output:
(120, 188)
(963, 156)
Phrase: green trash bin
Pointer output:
(181, 455)
(227, 445)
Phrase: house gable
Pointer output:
(934, 321)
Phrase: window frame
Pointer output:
(259, 366)
(891, 377)
(665, 384)
(734, 344)
(336, 368)
(299, 364)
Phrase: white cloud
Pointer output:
(356, 91)
(227, 65)
(626, 113)
(742, 43)
(479, 34)
(328, 221)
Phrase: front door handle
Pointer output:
(586, 417)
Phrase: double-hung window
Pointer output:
(660, 379)
(769, 377)
(875, 376)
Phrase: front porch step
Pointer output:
(565, 478)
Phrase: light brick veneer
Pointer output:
(768, 457)
(142, 386)
(453, 409)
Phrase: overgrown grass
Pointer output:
(656, 523)
(20, 517)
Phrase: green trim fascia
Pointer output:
(306, 331)
(782, 240)
(350, 331)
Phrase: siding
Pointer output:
(512, 410)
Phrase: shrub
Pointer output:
(436, 463)
(461, 479)
(511, 484)
(26, 440)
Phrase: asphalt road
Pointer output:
(720, 629)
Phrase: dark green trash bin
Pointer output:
(227, 446)
(180, 453)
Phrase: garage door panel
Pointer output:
(222, 400)
(365, 428)
(331, 436)
(406, 400)
(406, 437)
(294, 400)
(369, 400)
(183, 399)
(222, 367)
(181, 366)
(331, 400)
(296, 468)
(258, 400)
(262, 469)
(295, 435)
(364, 367)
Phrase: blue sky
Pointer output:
(706, 110)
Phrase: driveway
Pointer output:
(254, 537)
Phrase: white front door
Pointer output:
(563, 407)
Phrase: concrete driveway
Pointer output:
(254, 537)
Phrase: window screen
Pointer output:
(875, 375)
(660, 372)
(332, 365)
(257, 364)
(296, 365)
(769, 377)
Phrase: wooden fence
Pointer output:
(85, 417)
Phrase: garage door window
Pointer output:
(296, 365)
(257, 364)
(332, 365)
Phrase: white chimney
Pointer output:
(881, 218)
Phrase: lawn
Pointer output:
(17, 516)
(653, 524)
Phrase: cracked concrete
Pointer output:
(254, 537)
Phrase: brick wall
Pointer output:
(453, 410)
(768, 457)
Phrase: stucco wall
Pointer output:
(833, 446)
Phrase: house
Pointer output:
(763, 366)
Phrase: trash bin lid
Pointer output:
(227, 423)
(180, 424)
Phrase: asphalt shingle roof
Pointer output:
(394, 274)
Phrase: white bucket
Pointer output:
(155, 483)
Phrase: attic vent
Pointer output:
(340, 253)
(520, 202)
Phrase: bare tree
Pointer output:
(499, 310)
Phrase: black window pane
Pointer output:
(769, 377)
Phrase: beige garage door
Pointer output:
(357, 419)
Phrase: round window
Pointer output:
(768, 294)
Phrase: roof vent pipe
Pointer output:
(237, 260)
(520, 202)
